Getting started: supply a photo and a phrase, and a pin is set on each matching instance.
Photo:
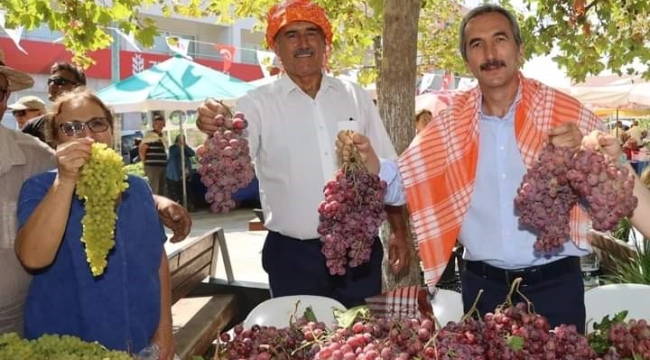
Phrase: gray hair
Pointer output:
(486, 9)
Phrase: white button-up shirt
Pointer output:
(21, 156)
(292, 141)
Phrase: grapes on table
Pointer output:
(350, 215)
(617, 338)
(102, 181)
(512, 331)
(562, 178)
(226, 165)
(55, 347)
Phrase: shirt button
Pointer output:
(326, 153)
(503, 176)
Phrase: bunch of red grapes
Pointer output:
(350, 216)
(619, 339)
(509, 333)
(606, 187)
(559, 180)
(545, 198)
(515, 332)
(226, 165)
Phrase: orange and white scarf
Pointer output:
(439, 167)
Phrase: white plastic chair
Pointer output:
(277, 311)
(614, 298)
(447, 306)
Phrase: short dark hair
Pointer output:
(422, 112)
(79, 74)
(487, 9)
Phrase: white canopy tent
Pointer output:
(614, 96)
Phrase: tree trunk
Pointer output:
(396, 100)
(398, 68)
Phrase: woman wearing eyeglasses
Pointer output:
(128, 307)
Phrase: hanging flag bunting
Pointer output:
(14, 34)
(227, 54)
(425, 82)
(178, 45)
(130, 39)
(266, 60)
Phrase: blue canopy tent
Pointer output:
(174, 84)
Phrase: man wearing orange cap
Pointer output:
(293, 124)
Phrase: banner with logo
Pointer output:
(178, 45)
(266, 60)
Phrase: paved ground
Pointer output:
(244, 246)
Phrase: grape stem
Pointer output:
(271, 349)
(473, 309)
(514, 287)
(292, 317)
(354, 163)
(227, 111)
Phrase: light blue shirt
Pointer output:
(490, 231)
(389, 172)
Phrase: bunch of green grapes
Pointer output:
(55, 347)
(102, 181)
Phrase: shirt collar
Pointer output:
(287, 85)
(511, 109)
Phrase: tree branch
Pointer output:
(592, 4)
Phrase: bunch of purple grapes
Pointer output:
(559, 179)
(380, 338)
(297, 341)
(606, 187)
(545, 198)
(628, 340)
(510, 333)
(226, 165)
(350, 217)
(459, 340)
(513, 332)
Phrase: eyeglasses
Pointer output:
(74, 128)
(21, 113)
(59, 81)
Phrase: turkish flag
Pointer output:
(227, 53)
(447, 81)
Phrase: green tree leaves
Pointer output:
(590, 35)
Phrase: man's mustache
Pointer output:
(301, 52)
(492, 64)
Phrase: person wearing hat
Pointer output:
(27, 108)
(293, 126)
(22, 156)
